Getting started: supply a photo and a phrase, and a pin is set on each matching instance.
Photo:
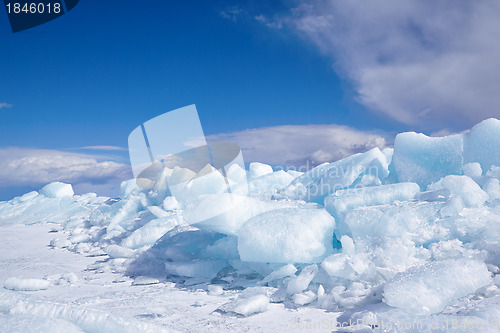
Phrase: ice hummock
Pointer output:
(382, 234)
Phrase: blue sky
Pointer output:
(91, 76)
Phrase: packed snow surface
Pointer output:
(395, 240)
(26, 284)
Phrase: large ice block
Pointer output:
(290, 235)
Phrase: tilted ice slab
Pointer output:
(327, 178)
(151, 231)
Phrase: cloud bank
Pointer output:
(34, 168)
(425, 63)
(305, 145)
(25, 170)
(103, 148)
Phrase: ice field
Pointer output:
(399, 240)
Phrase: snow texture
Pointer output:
(26, 284)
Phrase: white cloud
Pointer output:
(5, 105)
(304, 145)
(231, 13)
(301, 145)
(425, 63)
(36, 167)
(195, 142)
(447, 132)
(103, 148)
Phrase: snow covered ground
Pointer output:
(86, 300)
(388, 241)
